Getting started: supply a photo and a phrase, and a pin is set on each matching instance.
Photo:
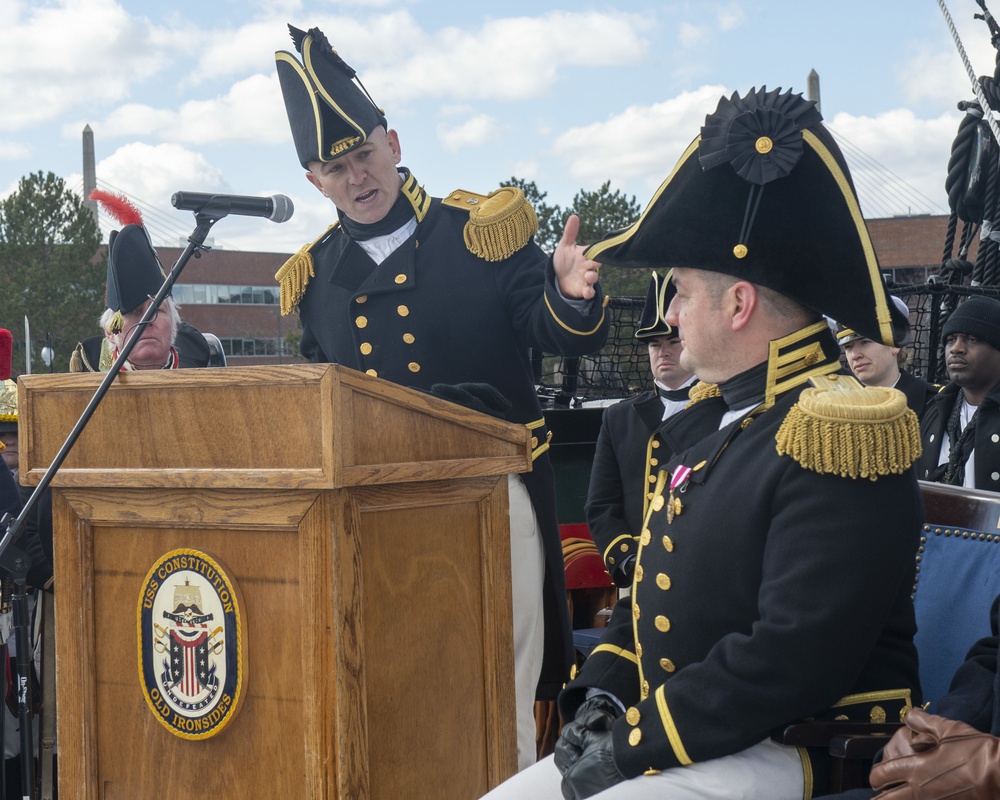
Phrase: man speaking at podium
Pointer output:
(438, 294)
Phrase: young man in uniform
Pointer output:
(876, 364)
(425, 292)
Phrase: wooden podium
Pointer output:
(365, 527)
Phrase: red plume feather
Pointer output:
(118, 206)
(6, 353)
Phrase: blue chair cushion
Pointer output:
(958, 577)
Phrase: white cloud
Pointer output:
(899, 162)
(690, 35)
(12, 150)
(252, 111)
(506, 59)
(155, 172)
(476, 130)
(72, 53)
(641, 142)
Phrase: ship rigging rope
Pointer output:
(976, 88)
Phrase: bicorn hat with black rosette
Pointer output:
(652, 322)
(764, 194)
(329, 110)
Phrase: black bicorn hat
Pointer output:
(134, 270)
(653, 321)
(764, 194)
(329, 110)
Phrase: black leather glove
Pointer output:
(594, 771)
(476, 396)
(596, 714)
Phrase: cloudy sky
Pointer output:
(182, 95)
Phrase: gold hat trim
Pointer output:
(293, 62)
(874, 276)
(318, 88)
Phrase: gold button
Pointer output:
(652, 478)
(639, 572)
(638, 649)
(635, 611)
(632, 716)
(668, 544)
(634, 737)
(662, 623)
(362, 299)
(764, 145)
(658, 503)
(655, 443)
(403, 311)
(649, 495)
(409, 338)
(413, 366)
(572, 672)
(611, 560)
(645, 538)
(361, 322)
(645, 689)
(400, 278)
(667, 664)
(663, 581)
(740, 251)
(623, 547)
(654, 462)
(371, 372)
(534, 442)
(366, 348)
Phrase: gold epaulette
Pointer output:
(839, 427)
(294, 275)
(702, 391)
(500, 223)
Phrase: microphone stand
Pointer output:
(15, 562)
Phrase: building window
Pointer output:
(210, 293)
(248, 346)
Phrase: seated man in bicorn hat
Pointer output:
(135, 275)
(877, 364)
(631, 447)
(428, 292)
(774, 568)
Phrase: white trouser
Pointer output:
(527, 558)
(767, 769)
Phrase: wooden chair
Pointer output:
(958, 576)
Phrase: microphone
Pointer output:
(277, 209)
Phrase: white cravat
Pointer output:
(379, 248)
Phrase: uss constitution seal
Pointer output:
(191, 644)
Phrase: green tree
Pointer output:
(49, 267)
(600, 213)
